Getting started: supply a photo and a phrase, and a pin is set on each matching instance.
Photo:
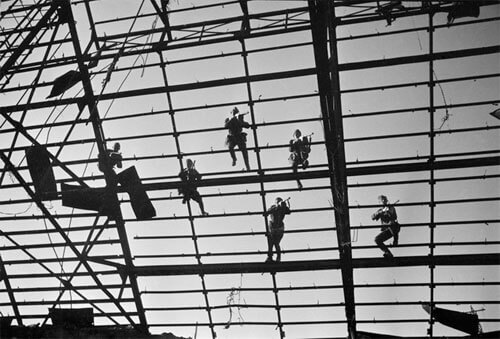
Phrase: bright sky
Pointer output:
(310, 207)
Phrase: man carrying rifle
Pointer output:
(300, 147)
(390, 226)
(236, 136)
(189, 177)
(276, 227)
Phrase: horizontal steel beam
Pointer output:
(353, 66)
(260, 77)
(323, 287)
(353, 171)
(316, 265)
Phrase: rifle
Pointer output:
(241, 115)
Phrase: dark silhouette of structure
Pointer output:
(119, 251)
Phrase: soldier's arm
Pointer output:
(376, 215)
(394, 215)
(197, 175)
(182, 175)
(270, 210)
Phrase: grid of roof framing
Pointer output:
(415, 124)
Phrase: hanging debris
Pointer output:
(465, 322)
(463, 9)
(496, 113)
(386, 10)
(65, 82)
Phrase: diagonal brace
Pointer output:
(82, 258)
(20, 49)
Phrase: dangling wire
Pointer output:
(234, 300)
(18, 213)
(447, 113)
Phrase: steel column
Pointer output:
(323, 30)
(100, 141)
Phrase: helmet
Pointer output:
(382, 198)
(235, 110)
(297, 133)
(189, 163)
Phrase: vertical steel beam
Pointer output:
(164, 18)
(92, 25)
(244, 31)
(100, 141)
(432, 225)
(257, 153)
(190, 211)
(323, 25)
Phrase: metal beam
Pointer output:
(322, 16)
(83, 259)
(8, 287)
(257, 77)
(51, 274)
(91, 102)
(164, 18)
(463, 53)
(20, 128)
(318, 265)
(422, 165)
(20, 49)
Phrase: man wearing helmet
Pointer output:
(276, 227)
(236, 136)
(390, 226)
(189, 177)
(300, 147)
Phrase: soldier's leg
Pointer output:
(197, 197)
(277, 240)
(232, 152)
(380, 238)
(242, 145)
(185, 196)
(305, 162)
(295, 165)
(269, 246)
(395, 242)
